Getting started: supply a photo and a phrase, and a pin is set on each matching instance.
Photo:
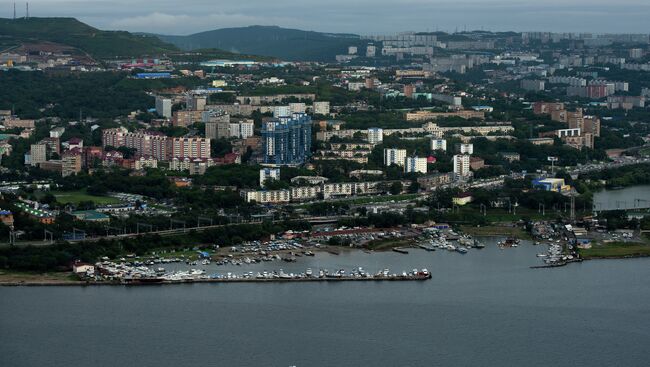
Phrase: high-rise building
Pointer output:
(71, 162)
(241, 129)
(322, 108)
(465, 148)
(38, 153)
(196, 103)
(375, 135)
(461, 165)
(287, 141)
(164, 107)
(269, 174)
(394, 156)
(439, 144)
(415, 164)
(217, 130)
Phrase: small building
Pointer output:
(510, 156)
(463, 198)
(552, 184)
(81, 268)
(91, 216)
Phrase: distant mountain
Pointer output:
(283, 43)
(71, 32)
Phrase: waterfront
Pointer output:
(483, 308)
(628, 198)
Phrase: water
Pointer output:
(485, 308)
(633, 197)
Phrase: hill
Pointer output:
(71, 32)
(283, 43)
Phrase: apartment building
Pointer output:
(164, 107)
(321, 108)
(465, 148)
(157, 145)
(461, 163)
(38, 154)
(439, 144)
(415, 165)
(429, 115)
(394, 156)
(375, 135)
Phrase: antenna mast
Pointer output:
(26, 10)
(14, 11)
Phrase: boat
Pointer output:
(541, 255)
(400, 250)
(427, 247)
(478, 244)
(461, 249)
(309, 272)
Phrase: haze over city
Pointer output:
(361, 17)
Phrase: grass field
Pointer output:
(389, 243)
(75, 197)
(616, 250)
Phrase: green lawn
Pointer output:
(493, 230)
(616, 249)
(75, 197)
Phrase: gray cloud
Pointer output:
(357, 16)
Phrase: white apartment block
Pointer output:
(465, 148)
(416, 165)
(439, 144)
(394, 156)
(269, 174)
(375, 135)
(461, 165)
(266, 197)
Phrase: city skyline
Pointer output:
(362, 17)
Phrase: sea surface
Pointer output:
(632, 197)
(485, 308)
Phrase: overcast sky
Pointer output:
(352, 16)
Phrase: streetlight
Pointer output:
(552, 160)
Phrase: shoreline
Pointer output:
(204, 281)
